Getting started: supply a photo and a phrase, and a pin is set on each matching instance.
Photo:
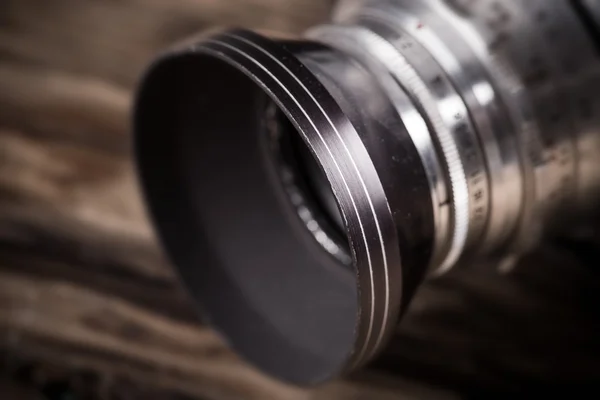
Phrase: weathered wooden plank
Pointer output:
(114, 39)
(79, 109)
(68, 199)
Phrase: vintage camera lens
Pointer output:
(304, 188)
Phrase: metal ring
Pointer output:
(443, 122)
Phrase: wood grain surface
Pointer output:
(85, 290)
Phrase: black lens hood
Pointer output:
(232, 232)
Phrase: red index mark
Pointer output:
(420, 25)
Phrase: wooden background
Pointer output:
(90, 309)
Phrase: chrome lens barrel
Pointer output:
(527, 72)
(303, 189)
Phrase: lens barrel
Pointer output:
(304, 188)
